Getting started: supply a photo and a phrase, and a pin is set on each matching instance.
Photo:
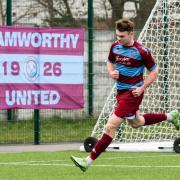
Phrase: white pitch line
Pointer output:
(40, 164)
(98, 165)
(47, 162)
(29, 162)
(135, 157)
(136, 166)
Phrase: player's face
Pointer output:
(124, 37)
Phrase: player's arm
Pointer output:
(151, 78)
(153, 72)
(152, 68)
(147, 82)
(114, 74)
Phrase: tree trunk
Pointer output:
(117, 9)
(2, 18)
(145, 8)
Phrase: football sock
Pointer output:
(101, 145)
(89, 160)
(154, 118)
(169, 117)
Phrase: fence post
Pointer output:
(9, 12)
(90, 57)
(9, 23)
(36, 126)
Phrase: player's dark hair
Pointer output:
(124, 25)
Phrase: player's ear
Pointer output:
(132, 33)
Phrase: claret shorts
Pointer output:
(127, 104)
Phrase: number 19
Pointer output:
(14, 69)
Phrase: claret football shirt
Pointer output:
(130, 61)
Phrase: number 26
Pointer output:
(52, 69)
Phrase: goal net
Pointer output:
(161, 34)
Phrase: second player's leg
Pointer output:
(138, 121)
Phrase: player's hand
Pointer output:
(137, 91)
(114, 74)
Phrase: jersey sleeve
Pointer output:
(148, 60)
(111, 57)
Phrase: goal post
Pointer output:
(161, 34)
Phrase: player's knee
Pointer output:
(135, 126)
(136, 122)
(110, 129)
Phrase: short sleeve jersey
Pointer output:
(130, 61)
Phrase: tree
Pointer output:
(59, 12)
(143, 9)
(2, 13)
(143, 12)
(27, 12)
(117, 8)
(18, 16)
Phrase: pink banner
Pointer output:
(41, 68)
(44, 96)
(26, 40)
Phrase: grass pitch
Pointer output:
(109, 166)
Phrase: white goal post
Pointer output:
(161, 34)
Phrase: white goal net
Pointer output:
(161, 34)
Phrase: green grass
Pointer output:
(109, 166)
(66, 129)
(51, 130)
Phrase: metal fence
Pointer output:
(46, 126)
(51, 125)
